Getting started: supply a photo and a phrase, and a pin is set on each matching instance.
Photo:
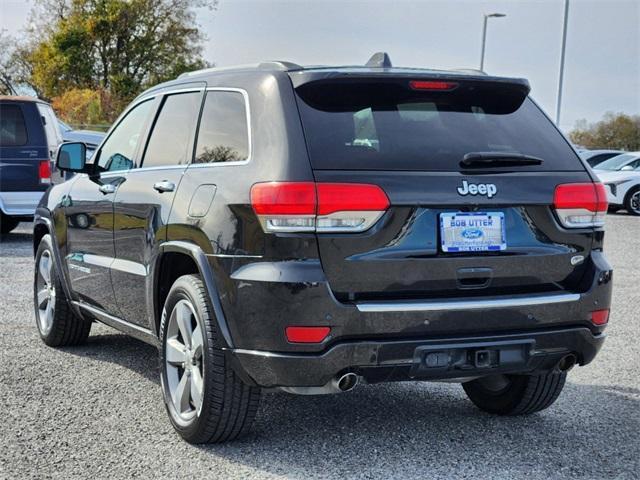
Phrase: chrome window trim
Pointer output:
(247, 108)
(189, 164)
(445, 306)
(159, 167)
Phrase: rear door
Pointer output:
(452, 229)
(144, 200)
(23, 147)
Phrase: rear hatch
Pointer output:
(24, 153)
(470, 166)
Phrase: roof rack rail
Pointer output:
(473, 71)
(379, 60)
(279, 65)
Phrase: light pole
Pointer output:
(561, 76)
(487, 16)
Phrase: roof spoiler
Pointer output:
(496, 95)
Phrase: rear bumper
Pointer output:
(262, 298)
(424, 359)
(20, 204)
(380, 340)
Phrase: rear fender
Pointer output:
(200, 259)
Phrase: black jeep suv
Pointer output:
(306, 229)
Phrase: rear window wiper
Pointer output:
(498, 159)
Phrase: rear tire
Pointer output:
(632, 202)
(7, 223)
(57, 324)
(515, 394)
(206, 400)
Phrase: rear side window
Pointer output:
(376, 126)
(172, 132)
(51, 127)
(13, 131)
(224, 130)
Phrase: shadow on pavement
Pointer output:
(413, 428)
(409, 428)
(123, 350)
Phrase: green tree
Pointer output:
(121, 46)
(615, 131)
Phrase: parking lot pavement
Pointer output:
(96, 411)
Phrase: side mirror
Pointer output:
(627, 168)
(72, 157)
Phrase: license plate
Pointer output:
(472, 232)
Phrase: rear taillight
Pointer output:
(44, 171)
(580, 205)
(285, 207)
(321, 207)
(600, 317)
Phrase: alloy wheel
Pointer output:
(184, 361)
(495, 384)
(46, 293)
(634, 202)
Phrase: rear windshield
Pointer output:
(373, 126)
(13, 131)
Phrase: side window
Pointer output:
(13, 131)
(173, 130)
(118, 150)
(224, 133)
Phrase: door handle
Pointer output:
(164, 186)
(108, 188)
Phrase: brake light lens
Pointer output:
(307, 334)
(318, 207)
(580, 205)
(600, 317)
(437, 85)
(44, 171)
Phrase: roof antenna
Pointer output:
(379, 60)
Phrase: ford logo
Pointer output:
(472, 233)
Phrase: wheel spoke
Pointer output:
(175, 352)
(48, 316)
(196, 388)
(52, 298)
(197, 342)
(43, 298)
(183, 317)
(182, 393)
(44, 268)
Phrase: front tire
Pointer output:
(57, 324)
(515, 394)
(7, 223)
(206, 400)
(632, 202)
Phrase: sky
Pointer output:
(602, 69)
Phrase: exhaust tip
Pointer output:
(567, 362)
(347, 382)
